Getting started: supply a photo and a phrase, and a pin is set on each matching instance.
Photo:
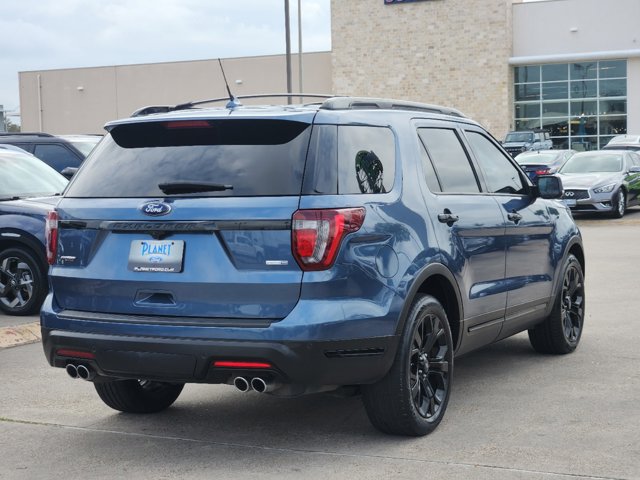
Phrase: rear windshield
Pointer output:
(250, 157)
(519, 137)
(540, 158)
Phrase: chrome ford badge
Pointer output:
(155, 209)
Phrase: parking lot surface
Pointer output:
(513, 413)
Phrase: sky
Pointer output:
(48, 34)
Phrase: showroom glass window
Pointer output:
(581, 104)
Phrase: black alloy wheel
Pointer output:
(22, 283)
(561, 331)
(412, 398)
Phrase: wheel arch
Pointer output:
(12, 238)
(437, 280)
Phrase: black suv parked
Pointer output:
(59, 153)
(297, 249)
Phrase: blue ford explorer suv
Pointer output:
(298, 249)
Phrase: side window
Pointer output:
(321, 173)
(56, 156)
(501, 175)
(450, 160)
(430, 176)
(366, 159)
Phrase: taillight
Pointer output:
(51, 236)
(316, 235)
(542, 171)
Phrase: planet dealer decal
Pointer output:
(155, 209)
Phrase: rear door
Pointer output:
(185, 218)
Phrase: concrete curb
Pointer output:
(19, 335)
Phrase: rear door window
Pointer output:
(450, 161)
(250, 157)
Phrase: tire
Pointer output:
(412, 397)
(138, 396)
(23, 283)
(619, 206)
(561, 331)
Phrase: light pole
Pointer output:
(287, 30)
(300, 48)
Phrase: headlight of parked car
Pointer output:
(604, 188)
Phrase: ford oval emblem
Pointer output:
(155, 209)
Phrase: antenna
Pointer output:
(233, 101)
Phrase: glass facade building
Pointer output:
(582, 105)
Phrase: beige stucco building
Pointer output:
(569, 66)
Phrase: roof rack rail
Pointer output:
(151, 109)
(353, 103)
(25, 134)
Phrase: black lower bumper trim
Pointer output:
(345, 362)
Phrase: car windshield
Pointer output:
(519, 137)
(538, 158)
(26, 176)
(593, 163)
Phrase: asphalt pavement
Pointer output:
(513, 414)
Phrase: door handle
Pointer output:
(514, 217)
(448, 217)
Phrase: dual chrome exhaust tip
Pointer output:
(257, 384)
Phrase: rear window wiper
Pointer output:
(172, 188)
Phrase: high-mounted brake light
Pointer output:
(316, 235)
(51, 236)
(187, 124)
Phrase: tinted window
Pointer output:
(26, 176)
(449, 160)
(56, 156)
(255, 157)
(321, 174)
(501, 175)
(430, 176)
(366, 159)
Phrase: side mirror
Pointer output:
(69, 172)
(550, 186)
(634, 169)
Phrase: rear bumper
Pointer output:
(345, 362)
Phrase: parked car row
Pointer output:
(29, 189)
(59, 152)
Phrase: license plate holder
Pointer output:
(160, 256)
(570, 203)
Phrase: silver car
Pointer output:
(601, 181)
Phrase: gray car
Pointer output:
(601, 181)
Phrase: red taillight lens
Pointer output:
(231, 364)
(316, 234)
(51, 236)
(75, 354)
(542, 171)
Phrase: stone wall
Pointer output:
(448, 52)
